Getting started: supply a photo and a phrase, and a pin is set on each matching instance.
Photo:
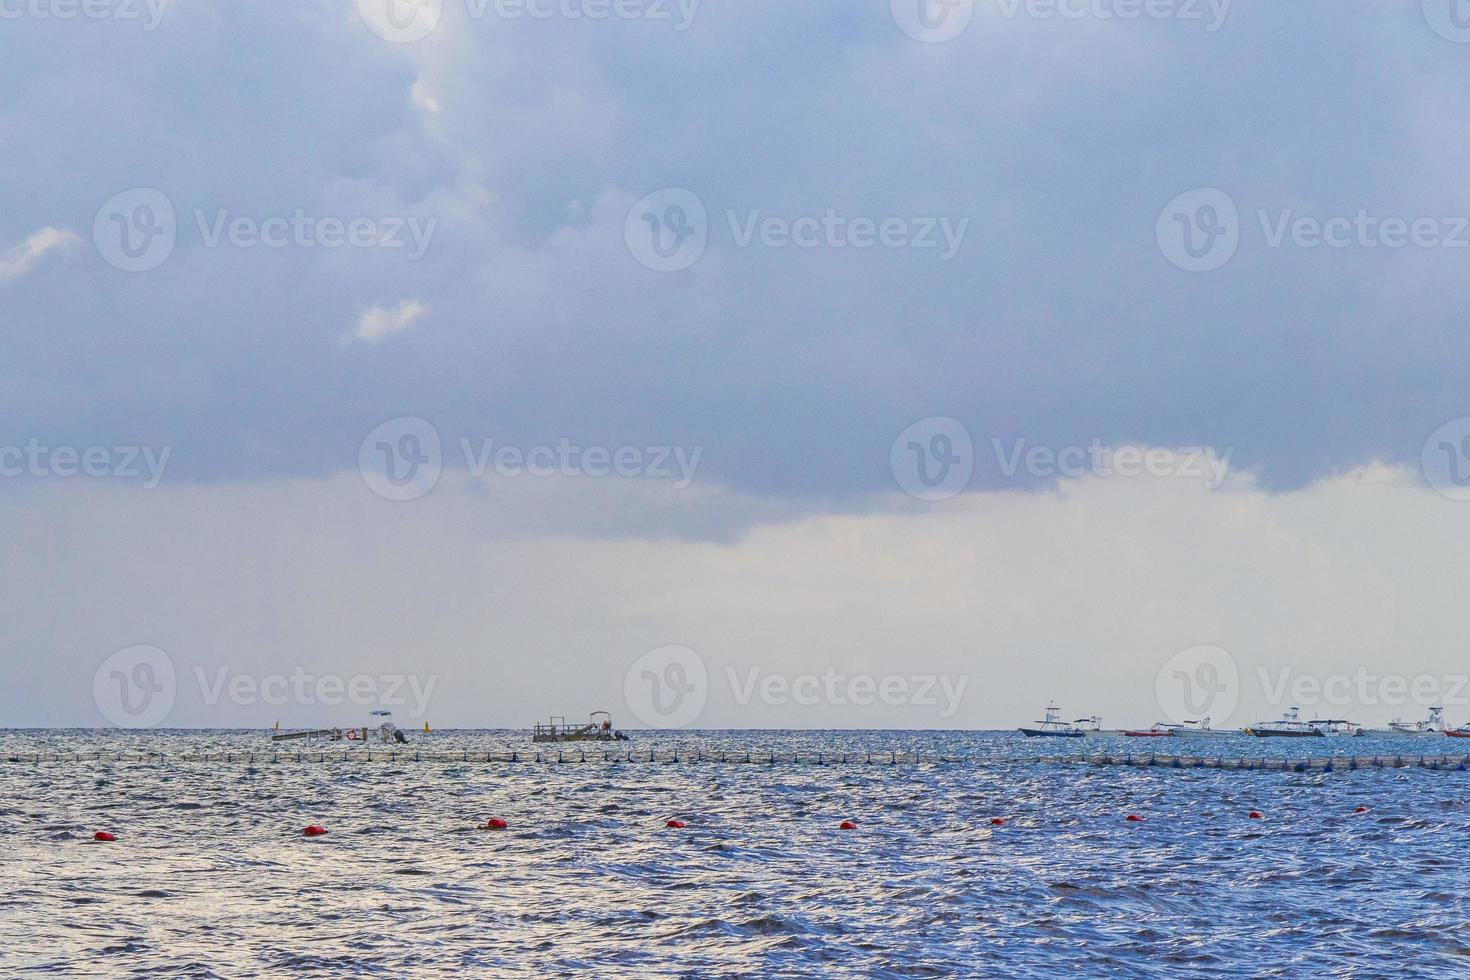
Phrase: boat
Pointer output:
(1432, 725)
(598, 728)
(386, 732)
(1160, 730)
(1194, 727)
(1461, 732)
(1290, 726)
(1337, 728)
(1052, 726)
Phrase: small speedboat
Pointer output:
(1432, 725)
(1159, 730)
(1052, 726)
(1337, 728)
(1194, 727)
(1290, 726)
(1462, 732)
(1090, 726)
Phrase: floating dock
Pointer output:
(1321, 764)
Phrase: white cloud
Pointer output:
(20, 259)
(381, 322)
(422, 97)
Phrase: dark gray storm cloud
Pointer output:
(1057, 309)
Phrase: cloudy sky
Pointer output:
(725, 360)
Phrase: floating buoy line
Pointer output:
(673, 823)
(1457, 763)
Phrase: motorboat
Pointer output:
(1432, 725)
(1290, 726)
(598, 728)
(1160, 730)
(1052, 726)
(1337, 728)
(386, 731)
(1194, 727)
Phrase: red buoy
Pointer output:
(1255, 815)
(314, 831)
(675, 825)
(1361, 809)
(103, 835)
(495, 823)
(1133, 818)
(997, 821)
(847, 825)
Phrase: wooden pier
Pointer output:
(1317, 764)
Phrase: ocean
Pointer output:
(1351, 873)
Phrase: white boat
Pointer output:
(1290, 726)
(1433, 725)
(386, 731)
(1194, 728)
(1052, 726)
(1337, 728)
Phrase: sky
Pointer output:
(844, 364)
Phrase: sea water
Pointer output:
(211, 876)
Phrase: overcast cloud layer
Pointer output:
(526, 141)
(251, 251)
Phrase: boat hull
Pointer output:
(1269, 733)
(1039, 733)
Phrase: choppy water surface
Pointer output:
(210, 875)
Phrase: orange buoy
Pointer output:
(1255, 815)
(997, 821)
(103, 835)
(675, 825)
(1133, 818)
(847, 825)
(314, 831)
(495, 823)
(1361, 809)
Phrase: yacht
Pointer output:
(1337, 728)
(1160, 730)
(1290, 726)
(1090, 726)
(1194, 727)
(1052, 726)
(1433, 725)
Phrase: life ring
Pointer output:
(353, 735)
